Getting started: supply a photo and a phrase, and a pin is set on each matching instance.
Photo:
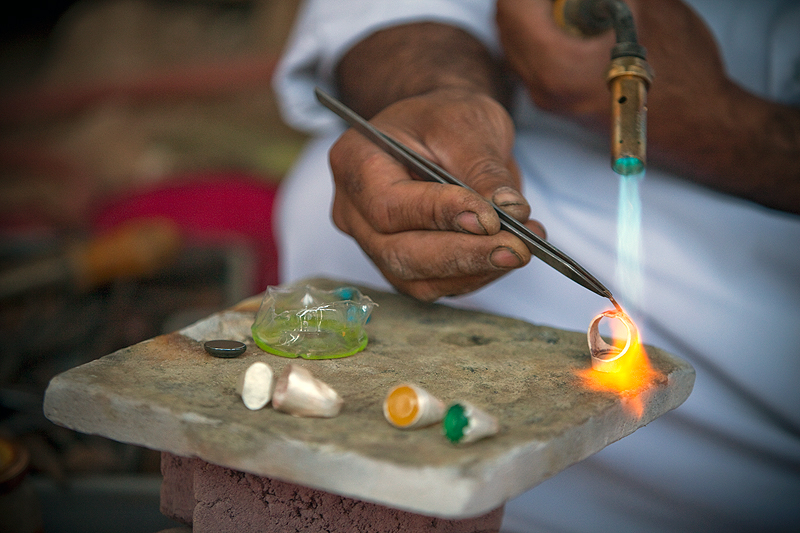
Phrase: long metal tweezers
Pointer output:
(427, 170)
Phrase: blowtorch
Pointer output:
(628, 76)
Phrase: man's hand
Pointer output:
(431, 240)
(436, 89)
(566, 74)
(563, 74)
(700, 124)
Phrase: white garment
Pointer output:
(722, 282)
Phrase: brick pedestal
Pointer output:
(213, 499)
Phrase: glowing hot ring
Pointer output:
(605, 357)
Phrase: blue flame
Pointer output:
(629, 275)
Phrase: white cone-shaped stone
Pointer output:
(255, 386)
(408, 406)
(479, 424)
(299, 393)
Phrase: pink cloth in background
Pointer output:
(212, 208)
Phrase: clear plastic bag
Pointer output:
(303, 321)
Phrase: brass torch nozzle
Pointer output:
(628, 79)
(628, 76)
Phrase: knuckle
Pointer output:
(446, 202)
(425, 292)
(396, 264)
(339, 215)
(353, 173)
(338, 157)
(485, 173)
(402, 266)
(382, 210)
(377, 212)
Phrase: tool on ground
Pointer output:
(136, 248)
(430, 171)
(628, 76)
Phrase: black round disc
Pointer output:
(225, 348)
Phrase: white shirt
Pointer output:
(721, 281)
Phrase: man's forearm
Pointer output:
(730, 141)
(413, 59)
(738, 144)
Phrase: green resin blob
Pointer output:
(303, 321)
(455, 422)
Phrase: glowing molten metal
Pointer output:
(622, 368)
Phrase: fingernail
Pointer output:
(468, 221)
(506, 197)
(505, 257)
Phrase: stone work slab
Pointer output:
(168, 394)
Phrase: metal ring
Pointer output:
(605, 357)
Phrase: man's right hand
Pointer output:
(428, 239)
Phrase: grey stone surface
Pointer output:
(168, 394)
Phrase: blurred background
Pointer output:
(140, 152)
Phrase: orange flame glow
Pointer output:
(634, 373)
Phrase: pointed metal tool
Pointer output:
(428, 170)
